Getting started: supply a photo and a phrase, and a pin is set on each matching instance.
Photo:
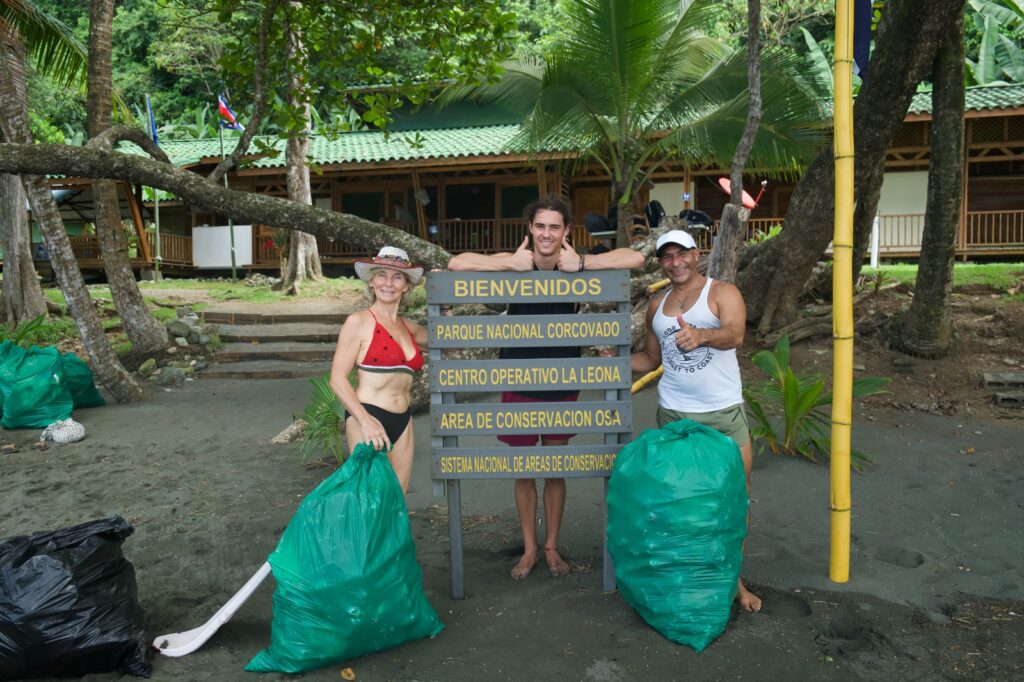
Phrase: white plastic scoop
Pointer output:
(184, 643)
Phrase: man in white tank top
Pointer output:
(693, 331)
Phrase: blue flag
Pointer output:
(152, 121)
(862, 11)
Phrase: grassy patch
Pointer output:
(999, 276)
(49, 332)
(221, 290)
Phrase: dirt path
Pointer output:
(935, 590)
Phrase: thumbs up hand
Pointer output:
(687, 337)
(568, 259)
(522, 259)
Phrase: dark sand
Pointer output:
(936, 588)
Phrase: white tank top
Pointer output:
(704, 379)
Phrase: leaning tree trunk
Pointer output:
(303, 257)
(14, 121)
(23, 297)
(725, 254)
(927, 326)
(905, 46)
(146, 333)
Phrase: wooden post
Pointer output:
(137, 220)
(687, 184)
(421, 215)
(962, 238)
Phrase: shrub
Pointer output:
(801, 403)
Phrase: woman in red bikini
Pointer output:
(385, 350)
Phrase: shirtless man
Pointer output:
(549, 230)
(694, 331)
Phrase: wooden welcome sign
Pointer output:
(608, 412)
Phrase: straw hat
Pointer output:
(389, 258)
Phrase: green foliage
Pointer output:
(800, 402)
(25, 330)
(998, 276)
(623, 72)
(763, 235)
(40, 332)
(323, 416)
(993, 34)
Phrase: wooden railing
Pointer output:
(994, 230)
(988, 232)
(85, 247)
(175, 249)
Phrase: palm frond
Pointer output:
(51, 44)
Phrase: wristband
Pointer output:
(581, 263)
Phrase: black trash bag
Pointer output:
(68, 604)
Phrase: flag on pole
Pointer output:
(226, 113)
(152, 121)
(862, 11)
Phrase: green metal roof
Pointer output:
(357, 147)
(469, 141)
(978, 98)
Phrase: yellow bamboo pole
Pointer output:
(842, 295)
(660, 284)
(640, 383)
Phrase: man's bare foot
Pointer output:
(524, 565)
(747, 599)
(556, 564)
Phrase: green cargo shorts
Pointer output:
(731, 421)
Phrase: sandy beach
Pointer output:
(936, 589)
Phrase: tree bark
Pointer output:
(14, 121)
(147, 335)
(303, 258)
(91, 162)
(905, 45)
(23, 296)
(725, 254)
(928, 325)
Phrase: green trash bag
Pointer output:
(677, 516)
(32, 383)
(79, 382)
(347, 579)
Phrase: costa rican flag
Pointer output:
(225, 112)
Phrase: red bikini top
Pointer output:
(386, 355)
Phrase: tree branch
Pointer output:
(108, 139)
(87, 162)
(259, 98)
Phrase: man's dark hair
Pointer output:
(549, 203)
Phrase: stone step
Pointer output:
(240, 351)
(237, 318)
(265, 369)
(1009, 398)
(1011, 380)
(311, 332)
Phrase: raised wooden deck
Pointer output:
(983, 233)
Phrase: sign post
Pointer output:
(609, 412)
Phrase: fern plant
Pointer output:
(801, 402)
(324, 415)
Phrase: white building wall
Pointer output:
(670, 194)
(901, 208)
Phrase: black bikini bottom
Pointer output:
(394, 423)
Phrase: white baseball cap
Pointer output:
(677, 237)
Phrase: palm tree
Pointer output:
(56, 53)
(24, 30)
(632, 83)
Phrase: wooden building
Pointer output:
(458, 186)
